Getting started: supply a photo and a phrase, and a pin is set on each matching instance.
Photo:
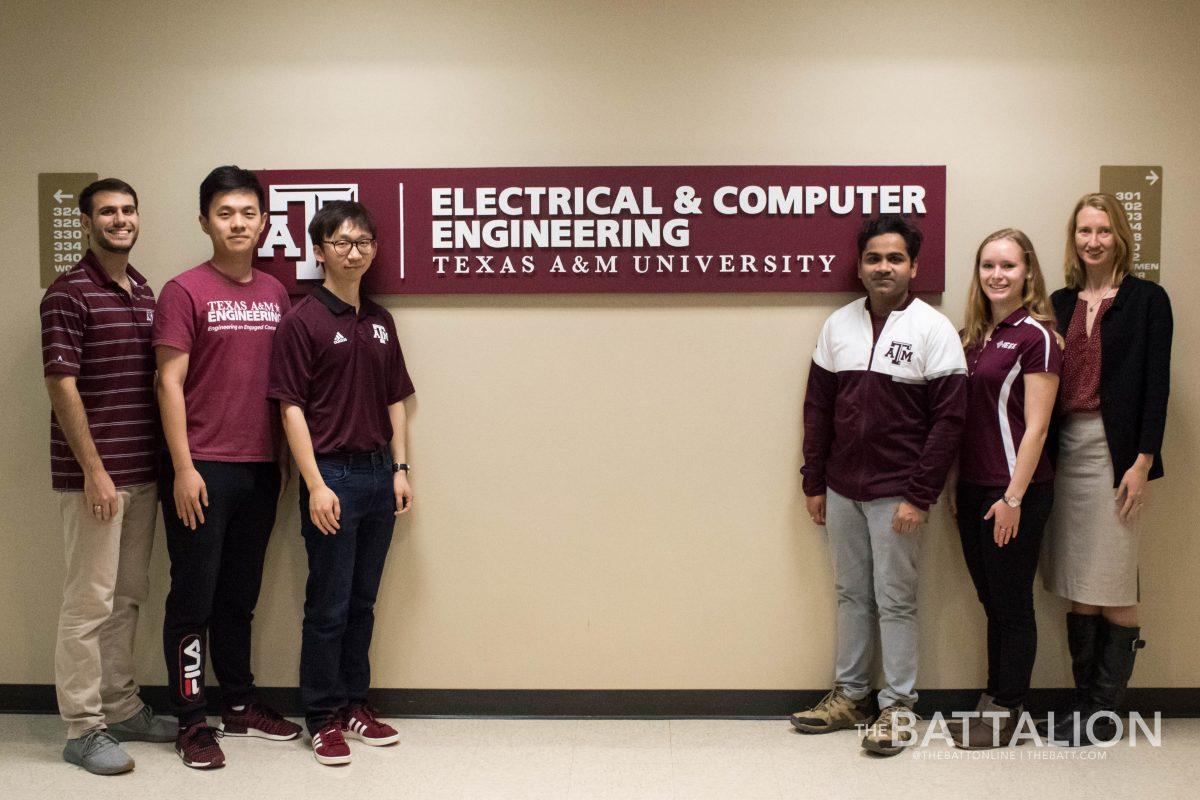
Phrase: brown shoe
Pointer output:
(987, 732)
(835, 712)
(892, 731)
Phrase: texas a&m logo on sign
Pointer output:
(293, 199)
(310, 197)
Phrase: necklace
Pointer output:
(1094, 302)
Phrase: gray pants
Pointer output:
(875, 569)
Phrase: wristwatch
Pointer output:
(1012, 502)
(399, 467)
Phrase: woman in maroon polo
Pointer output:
(1111, 416)
(1005, 486)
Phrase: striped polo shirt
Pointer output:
(1020, 346)
(94, 330)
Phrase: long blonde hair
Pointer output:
(1075, 272)
(1033, 296)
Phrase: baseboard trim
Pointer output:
(27, 698)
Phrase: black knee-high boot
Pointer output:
(1111, 677)
(1085, 636)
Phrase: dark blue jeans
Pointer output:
(344, 570)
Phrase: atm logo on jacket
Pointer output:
(899, 353)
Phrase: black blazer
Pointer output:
(1135, 369)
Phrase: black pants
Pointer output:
(216, 572)
(1003, 578)
(344, 570)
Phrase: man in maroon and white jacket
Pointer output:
(883, 414)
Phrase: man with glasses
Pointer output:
(339, 376)
(221, 482)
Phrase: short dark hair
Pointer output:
(230, 178)
(103, 185)
(890, 223)
(334, 214)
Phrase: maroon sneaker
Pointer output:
(328, 744)
(198, 747)
(360, 722)
(257, 719)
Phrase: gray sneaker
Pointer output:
(144, 727)
(98, 753)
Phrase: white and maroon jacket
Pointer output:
(883, 416)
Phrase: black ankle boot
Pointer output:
(1113, 670)
(1085, 636)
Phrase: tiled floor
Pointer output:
(564, 759)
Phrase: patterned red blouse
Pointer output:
(1080, 390)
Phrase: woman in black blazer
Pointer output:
(1112, 408)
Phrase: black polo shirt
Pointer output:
(344, 370)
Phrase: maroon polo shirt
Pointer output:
(99, 333)
(1020, 346)
(344, 370)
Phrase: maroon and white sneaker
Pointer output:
(329, 746)
(257, 719)
(197, 746)
(360, 722)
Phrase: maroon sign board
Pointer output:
(533, 230)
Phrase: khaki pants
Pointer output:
(107, 581)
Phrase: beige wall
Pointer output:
(606, 487)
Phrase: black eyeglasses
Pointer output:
(342, 246)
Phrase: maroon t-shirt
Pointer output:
(226, 329)
(1020, 346)
(344, 370)
(95, 330)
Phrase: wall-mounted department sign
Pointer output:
(1139, 189)
(608, 229)
(61, 240)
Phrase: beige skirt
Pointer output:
(1089, 555)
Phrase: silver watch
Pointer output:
(1012, 502)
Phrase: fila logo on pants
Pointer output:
(191, 666)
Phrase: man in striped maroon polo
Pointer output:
(99, 368)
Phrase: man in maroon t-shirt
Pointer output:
(221, 482)
(99, 371)
(340, 378)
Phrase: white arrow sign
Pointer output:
(59, 196)
(1152, 177)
